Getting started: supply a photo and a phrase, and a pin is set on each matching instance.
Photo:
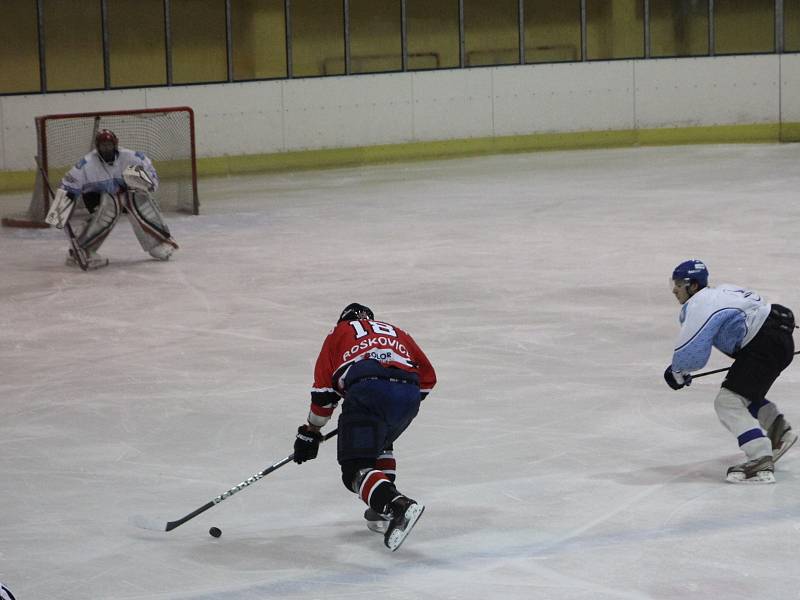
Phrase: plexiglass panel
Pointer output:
(375, 36)
(552, 30)
(491, 32)
(199, 51)
(317, 37)
(73, 61)
(615, 29)
(678, 27)
(432, 33)
(137, 37)
(136, 43)
(744, 26)
(259, 39)
(19, 48)
(791, 25)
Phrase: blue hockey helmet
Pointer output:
(692, 270)
(355, 311)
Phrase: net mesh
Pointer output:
(164, 135)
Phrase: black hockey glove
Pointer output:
(306, 444)
(677, 380)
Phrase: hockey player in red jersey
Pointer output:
(383, 375)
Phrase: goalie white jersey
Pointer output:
(92, 174)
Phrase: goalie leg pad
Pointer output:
(100, 223)
(148, 224)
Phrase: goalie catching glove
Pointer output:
(60, 209)
(136, 178)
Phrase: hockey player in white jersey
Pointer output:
(109, 179)
(758, 336)
(5, 593)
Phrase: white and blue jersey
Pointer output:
(92, 174)
(725, 317)
(5, 593)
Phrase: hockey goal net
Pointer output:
(166, 135)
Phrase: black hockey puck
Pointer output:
(215, 532)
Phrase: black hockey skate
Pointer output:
(405, 514)
(376, 521)
(758, 470)
(782, 437)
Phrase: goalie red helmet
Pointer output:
(355, 311)
(107, 145)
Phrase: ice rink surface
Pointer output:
(554, 461)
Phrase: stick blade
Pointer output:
(143, 522)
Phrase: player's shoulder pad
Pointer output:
(140, 155)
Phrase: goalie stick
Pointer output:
(156, 525)
(78, 252)
(719, 371)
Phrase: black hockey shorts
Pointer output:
(374, 414)
(758, 364)
(91, 200)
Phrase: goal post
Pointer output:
(165, 135)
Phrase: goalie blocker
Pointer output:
(61, 209)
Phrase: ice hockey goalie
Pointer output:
(112, 180)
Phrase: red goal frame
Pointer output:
(40, 202)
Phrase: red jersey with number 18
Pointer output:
(352, 341)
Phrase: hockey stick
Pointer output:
(718, 371)
(155, 525)
(78, 252)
